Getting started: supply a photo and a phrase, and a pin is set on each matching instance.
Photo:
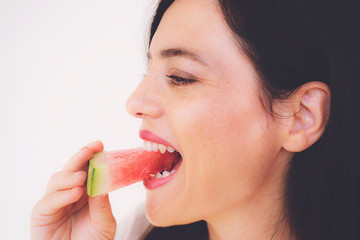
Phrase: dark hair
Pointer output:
(292, 42)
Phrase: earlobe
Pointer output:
(309, 108)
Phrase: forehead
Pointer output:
(198, 26)
(197, 14)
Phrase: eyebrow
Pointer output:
(180, 52)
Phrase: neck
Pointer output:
(250, 223)
(260, 216)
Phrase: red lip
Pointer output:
(149, 136)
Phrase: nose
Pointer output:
(145, 102)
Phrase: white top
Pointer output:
(132, 227)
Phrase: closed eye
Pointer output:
(179, 81)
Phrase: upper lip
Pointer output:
(149, 136)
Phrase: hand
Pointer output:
(66, 211)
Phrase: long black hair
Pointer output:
(290, 43)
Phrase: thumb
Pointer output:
(101, 214)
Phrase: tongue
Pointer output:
(109, 171)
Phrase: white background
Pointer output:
(66, 70)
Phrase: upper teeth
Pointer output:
(154, 147)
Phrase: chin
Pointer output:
(160, 218)
(164, 218)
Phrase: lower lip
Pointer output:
(153, 183)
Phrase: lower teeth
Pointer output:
(162, 174)
(165, 174)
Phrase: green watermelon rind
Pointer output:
(90, 181)
(97, 175)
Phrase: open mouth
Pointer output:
(169, 162)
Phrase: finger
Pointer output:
(81, 202)
(65, 180)
(52, 203)
(78, 160)
(100, 212)
(96, 146)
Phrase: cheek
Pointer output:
(219, 124)
(223, 144)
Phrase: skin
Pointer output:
(235, 155)
(233, 160)
(66, 212)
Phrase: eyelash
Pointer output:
(179, 81)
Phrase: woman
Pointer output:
(259, 98)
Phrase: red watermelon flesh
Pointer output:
(109, 171)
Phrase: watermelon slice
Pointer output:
(109, 171)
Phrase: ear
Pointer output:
(308, 112)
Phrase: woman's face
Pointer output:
(230, 146)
